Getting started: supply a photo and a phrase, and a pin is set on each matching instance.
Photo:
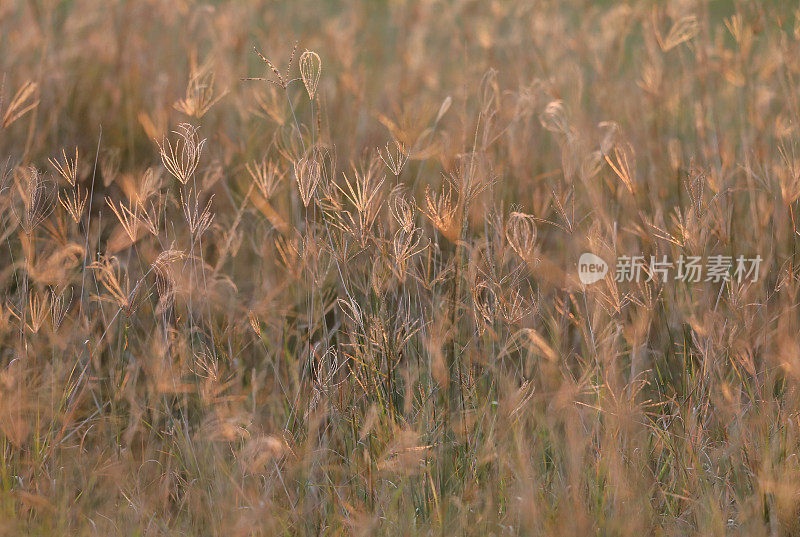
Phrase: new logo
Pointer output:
(591, 268)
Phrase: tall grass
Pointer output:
(300, 268)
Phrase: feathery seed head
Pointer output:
(68, 169)
(310, 69)
(182, 158)
(307, 173)
(36, 198)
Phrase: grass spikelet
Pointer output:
(182, 158)
(24, 100)
(310, 70)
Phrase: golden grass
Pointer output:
(328, 286)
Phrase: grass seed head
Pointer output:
(310, 70)
(182, 158)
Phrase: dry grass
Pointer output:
(328, 287)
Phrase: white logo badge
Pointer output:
(591, 268)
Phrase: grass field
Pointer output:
(312, 268)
